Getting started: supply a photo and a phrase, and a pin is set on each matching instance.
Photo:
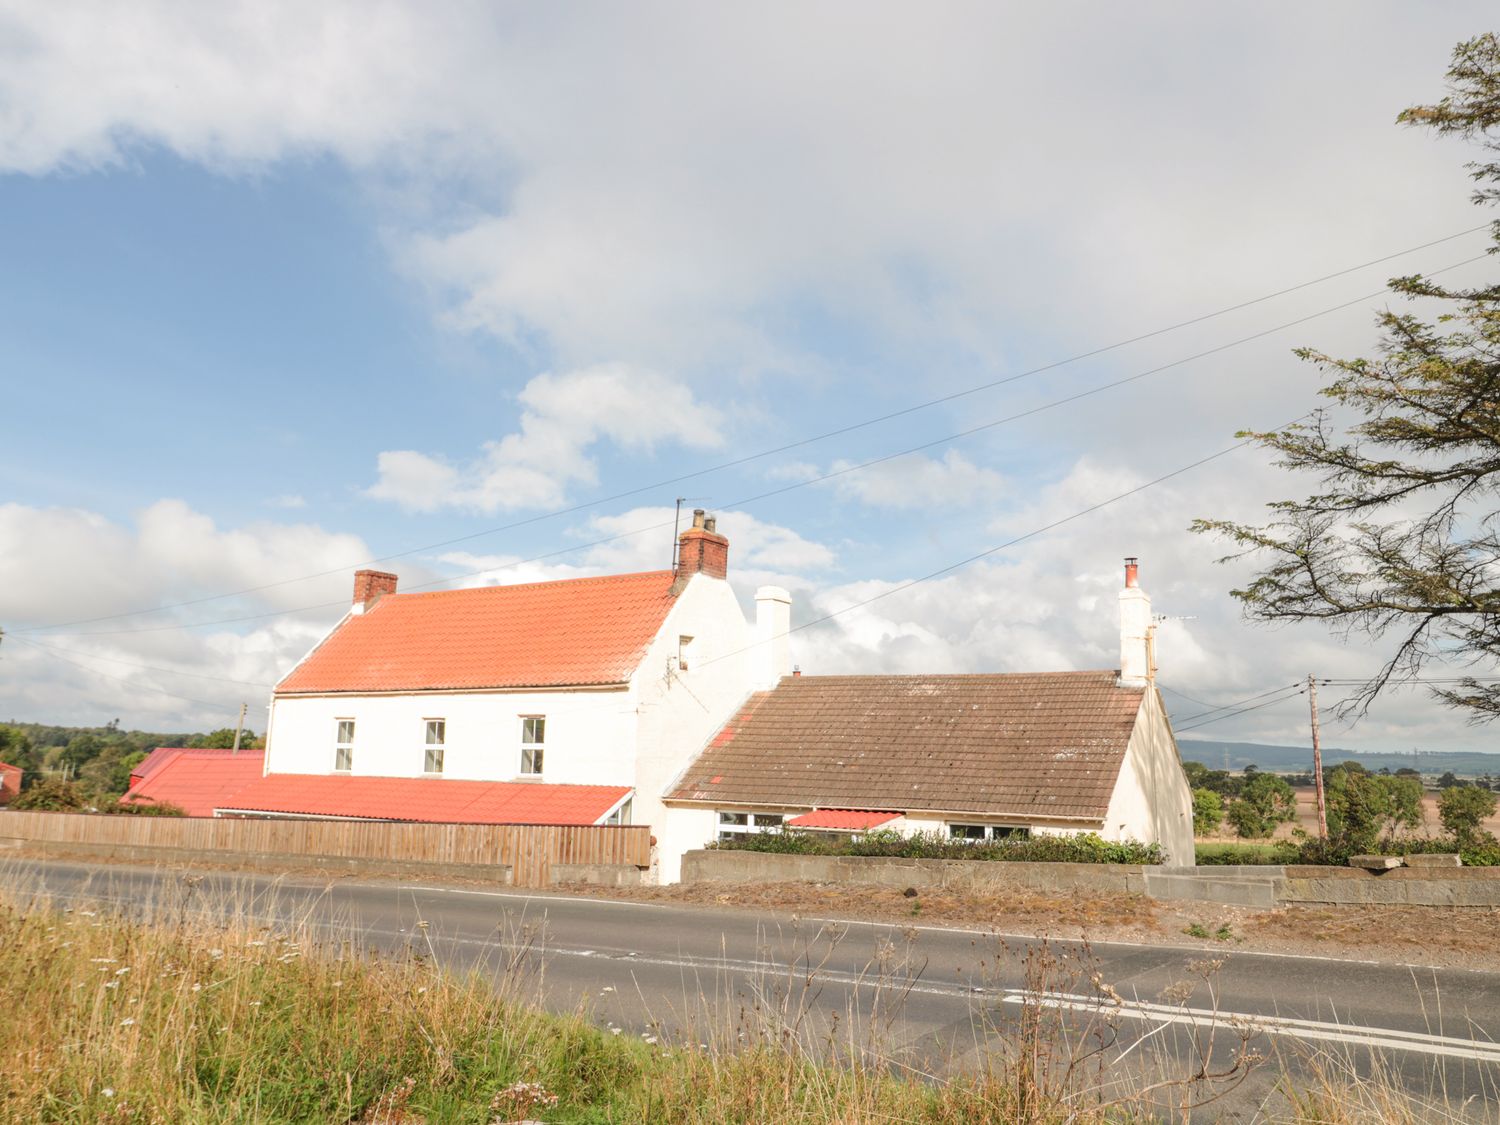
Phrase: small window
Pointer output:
(684, 643)
(533, 738)
(437, 734)
(343, 752)
(622, 814)
(988, 832)
(737, 825)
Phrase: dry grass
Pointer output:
(1421, 931)
(174, 1015)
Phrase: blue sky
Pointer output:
(282, 294)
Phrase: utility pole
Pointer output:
(239, 727)
(1312, 702)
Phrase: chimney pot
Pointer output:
(701, 548)
(1132, 572)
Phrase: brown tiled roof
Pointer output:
(1027, 745)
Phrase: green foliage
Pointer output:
(1265, 801)
(1363, 807)
(1086, 847)
(128, 807)
(222, 739)
(1208, 812)
(1398, 542)
(1462, 809)
(51, 795)
(1245, 855)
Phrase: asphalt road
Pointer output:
(932, 998)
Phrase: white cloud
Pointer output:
(563, 416)
(290, 501)
(920, 482)
(67, 566)
(663, 185)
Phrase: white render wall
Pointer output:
(590, 735)
(681, 710)
(1152, 802)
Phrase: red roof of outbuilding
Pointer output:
(197, 781)
(849, 820)
(545, 634)
(164, 754)
(4, 768)
(431, 799)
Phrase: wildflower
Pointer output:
(607, 988)
(197, 988)
(108, 1091)
(257, 943)
(101, 960)
(112, 984)
(122, 972)
(255, 1003)
(127, 1022)
(649, 1038)
(614, 1031)
(421, 990)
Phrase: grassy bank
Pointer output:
(187, 1020)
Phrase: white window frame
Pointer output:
(736, 824)
(533, 753)
(964, 830)
(621, 815)
(343, 749)
(434, 751)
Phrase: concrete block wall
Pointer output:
(1260, 887)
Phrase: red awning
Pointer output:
(846, 820)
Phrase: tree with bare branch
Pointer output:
(1402, 541)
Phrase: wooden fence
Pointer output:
(529, 850)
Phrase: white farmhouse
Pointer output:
(573, 702)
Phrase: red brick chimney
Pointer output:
(702, 550)
(369, 585)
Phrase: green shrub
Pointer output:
(1246, 855)
(51, 795)
(1462, 809)
(1208, 812)
(1087, 847)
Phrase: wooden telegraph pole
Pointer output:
(1312, 702)
(240, 726)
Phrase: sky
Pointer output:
(477, 291)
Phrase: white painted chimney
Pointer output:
(771, 658)
(1135, 630)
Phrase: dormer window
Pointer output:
(684, 644)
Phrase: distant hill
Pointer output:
(1295, 759)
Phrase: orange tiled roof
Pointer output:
(544, 634)
(196, 780)
(429, 799)
(1029, 745)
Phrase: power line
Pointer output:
(1066, 400)
(1236, 703)
(992, 550)
(800, 443)
(1241, 711)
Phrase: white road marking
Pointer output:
(1380, 1038)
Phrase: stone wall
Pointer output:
(1264, 887)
